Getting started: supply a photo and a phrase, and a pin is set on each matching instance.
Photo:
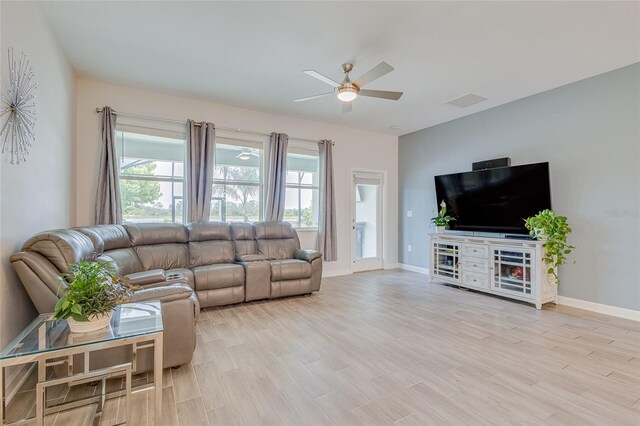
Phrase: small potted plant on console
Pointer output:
(441, 221)
(546, 226)
(91, 292)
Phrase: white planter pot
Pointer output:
(95, 323)
(440, 229)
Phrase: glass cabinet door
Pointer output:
(446, 257)
(512, 271)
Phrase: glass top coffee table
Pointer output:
(48, 343)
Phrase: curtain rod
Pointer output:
(168, 120)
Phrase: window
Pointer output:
(301, 198)
(237, 187)
(151, 174)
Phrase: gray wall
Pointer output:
(589, 132)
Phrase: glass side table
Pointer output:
(48, 343)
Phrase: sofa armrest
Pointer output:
(147, 277)
(250, 258)
(308, 255)
(166, 293)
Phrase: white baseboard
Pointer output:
(413, 268)
(600, 308)
(336, 273)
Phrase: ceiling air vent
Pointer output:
(466, 100)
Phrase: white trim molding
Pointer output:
(600, 308)
(412, 268)
(336, 273)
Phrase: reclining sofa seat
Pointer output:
(218, 280)
(293, 271)
(162, 246)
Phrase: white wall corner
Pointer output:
(600, 308)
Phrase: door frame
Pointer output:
(383, 219)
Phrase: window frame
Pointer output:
(122, 128)
(244, 143)
(303, 149)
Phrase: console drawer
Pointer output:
(476, 265)
(475, 250)
(475, 280)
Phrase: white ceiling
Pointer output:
(252, 54)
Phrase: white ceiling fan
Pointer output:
(348, 90)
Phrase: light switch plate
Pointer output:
(409, 248)
(409, 213)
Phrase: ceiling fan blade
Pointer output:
(347, 107)
(374, 73)
(382, 94)
(313, 97)
(324, 79)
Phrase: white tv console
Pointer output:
(505, 267)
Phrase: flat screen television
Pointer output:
(495, 200)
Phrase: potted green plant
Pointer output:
(441, 221)
(91, 292)
(553, 230)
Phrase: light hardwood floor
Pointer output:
(386, 348)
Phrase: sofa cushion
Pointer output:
(244, 238)
(289, 269)
(61, 247)
(210, 252)
(126, 260)
(276, 240)
(209, 243)
(205, 231)
(274, 230)
(277, 249)
(217, 276)
(142, 234)
(106, 237)
(163, 256)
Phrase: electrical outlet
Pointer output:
(409, 213)
(409, 248)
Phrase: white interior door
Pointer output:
(366, 221)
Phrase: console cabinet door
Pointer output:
(446, 260)
(513, 271)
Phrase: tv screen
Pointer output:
(495, 200)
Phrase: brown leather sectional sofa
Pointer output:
(202, 264)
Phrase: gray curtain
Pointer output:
(199, 170)
(276, 177)
(327, 242)
(108, 203)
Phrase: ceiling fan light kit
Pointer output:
(347, 91)
(347, 94)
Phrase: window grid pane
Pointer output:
(151, 177)
(237, 184)
(302, 191)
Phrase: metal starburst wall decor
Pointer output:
(18, 112)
